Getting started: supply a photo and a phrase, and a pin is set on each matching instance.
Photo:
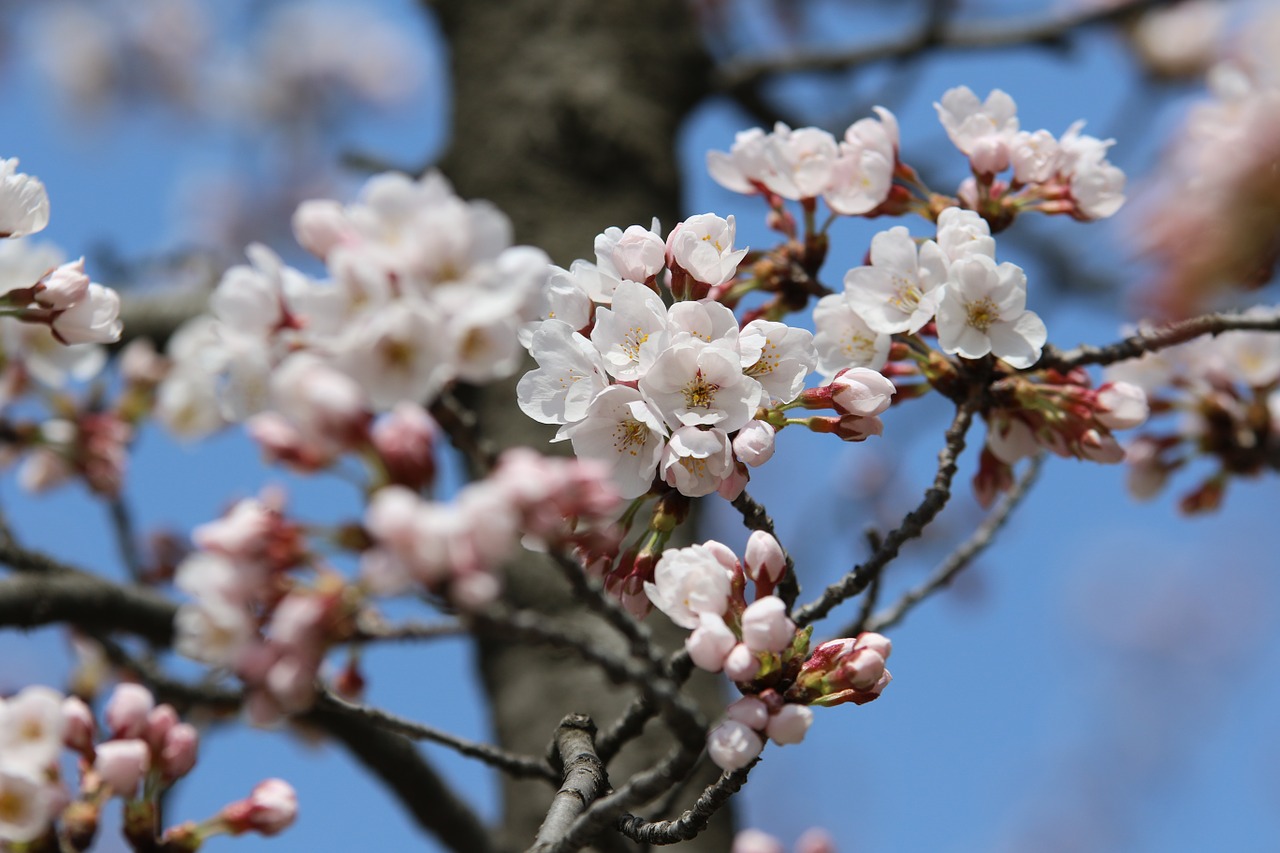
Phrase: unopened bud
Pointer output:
(127, 710)
(269, 809)
(121, 764)
(790, 724)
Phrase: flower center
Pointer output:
(629, 436)
(699, 393)
(982, 313)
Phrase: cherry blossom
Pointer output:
(983, 311)
(24, 204)
(899, 291)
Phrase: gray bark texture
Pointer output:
(565, 116)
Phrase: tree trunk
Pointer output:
(565, 116)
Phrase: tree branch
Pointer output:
(744, 76)
(584, 779)
(34, 600)
(693, 821)
(935, 498)
(959, 559)
(1153, 340)
(520, 766)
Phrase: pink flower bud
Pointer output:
(79, 726)
(754, 443)
(765, 626)
(405, 440)
(861, 391)
(179, 750)
(1098, 447)
(789, 724)
(734, 483)
(121, 764)
(159, 722)
(764, 558)
(270, 809)
(862, 669)
(858, 428)
(755, 841)
(319, 225)
(733, 746)
(127, 710)
(749, 711)
(1124, 406)
(710, 643)
(741, 664)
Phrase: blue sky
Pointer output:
(1101, 680)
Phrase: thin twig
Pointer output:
(1152, 340)
(609, 608)
(754, 517)
(126, 538)
(960, 558)
(935, 498)
(693, 821)
(519, 766)
(631, 723)
(371, 629)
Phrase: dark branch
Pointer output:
(959, 559)
(693, 821)
(1153, 340)
(754, 517)
(935, 498)
(34, 600)
(520, 766)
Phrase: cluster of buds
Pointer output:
(1223, 391)
(703, 588)
(453, 548)
(1058, 412)
(251, 615)
(142, 750)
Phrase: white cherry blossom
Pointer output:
(637, 254)
(569, 375)
(962, 233)
(623, 430)
(787, 356)
(702, 246)
(983, 130)
(24, 204)
(694, 383)
(94, 320)
(899, 291)
(843, 339)
(29, 804)
(696, 461)
(630, 333)
(862, 174)
(983, 311)
(688, 582)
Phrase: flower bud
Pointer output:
(755, 841)
(179, 751)
(79, 726)
(741, 664)
(733, 746)
(754, 443)
(121, 764)
(750, 711)
(764, 558)
(790, 724)
(765, 626)
(65, 286)
(710, 643)
(861, 391)
(270, 808)
(405, 439)
(159, 722)
(127, 710)
(1123, 406)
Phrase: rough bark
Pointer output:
(565, 116)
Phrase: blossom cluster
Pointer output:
(1209, 219)
(978, 307)
(703, 588)
(1219, 402)
(657, 391)
(143, 749)
(424, 289)
(252, 613)
(1069, 174)
(1058, 412)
